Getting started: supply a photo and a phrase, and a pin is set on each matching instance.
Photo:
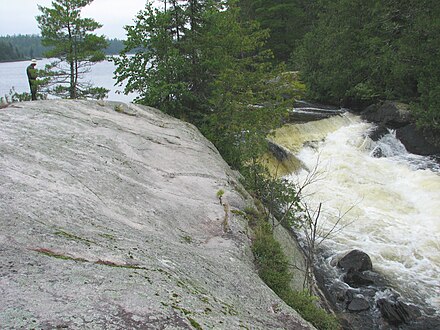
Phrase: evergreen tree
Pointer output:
(199, 62)
(75, 47)
(167, 71)
(419, 48)
(349, 56)
(8, 52)
(361, 51)
(286, 20)
(158, 68)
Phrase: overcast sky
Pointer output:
(18, 16)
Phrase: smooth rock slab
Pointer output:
(109, 219)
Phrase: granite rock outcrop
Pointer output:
(110, 219)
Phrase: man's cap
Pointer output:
(34, 61)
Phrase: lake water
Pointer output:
(13, 74)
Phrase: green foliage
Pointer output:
(421, 45)
(158, 70)
(69, 39)
(199, 62)
(362, 51)
(280, 196)
(27, 46)
(8, 52)
(286, 20)
(339, 56)
(13, 97)
(220, 194)
(115, 46)
(272, 264)
(273, 268)
(305, 304)
(19, 47)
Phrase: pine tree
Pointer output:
(207, 67)
(286, 20)
(75, 47)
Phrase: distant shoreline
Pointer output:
(20, 60)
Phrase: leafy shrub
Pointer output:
(272, 264)
(273, 268)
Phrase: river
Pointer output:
(13, 74)
(393, 202)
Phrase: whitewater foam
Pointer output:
(394, 204)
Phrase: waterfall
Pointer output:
(392, 198)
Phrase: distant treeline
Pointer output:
(22, 47)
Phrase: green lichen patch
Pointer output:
(187, 239)
(53, 254)
(194, 323)
(73, 237)
(114, 264)
(108, 236)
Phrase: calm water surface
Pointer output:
(13, 74)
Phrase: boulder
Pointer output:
(281, 153)
(358, 304)
(355, 260)
(378, 132)
(395, 115)
(415, 141)
(396, 312)
(358, 279)
(388, 113)
(109, 219)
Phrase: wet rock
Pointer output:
(278, 151)
(378, 132)
(415, 141)
(358, 304)
(388, 113)
(339, 291)
(397, 312)
(397, 116)
(355, 260)
(358, 279)
(305, 112)
(377, 153)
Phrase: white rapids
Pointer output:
(393, 202)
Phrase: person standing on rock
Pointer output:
(32, 77)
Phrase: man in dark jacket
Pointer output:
(32, 77)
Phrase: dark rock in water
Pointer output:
(378, 133)
(358, 279)
(358, 304)
(415, 141)
(388, 113)
(301, 116)
(358, 300)
(278, 151)
(397, 116)
(356, 260)
(377, 153)
(396, 312)
(339, 291)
